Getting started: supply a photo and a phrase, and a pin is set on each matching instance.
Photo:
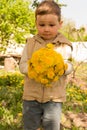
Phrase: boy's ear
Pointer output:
(60, 24)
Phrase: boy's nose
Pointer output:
(46, 28)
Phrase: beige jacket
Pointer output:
(37, 91)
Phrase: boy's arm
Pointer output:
(66, 52)
(23, 65)
(68, 61)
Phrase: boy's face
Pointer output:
(48, 26)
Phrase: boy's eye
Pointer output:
(42, 25)
(52, 25)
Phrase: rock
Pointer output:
(10, 64)
(65, 122)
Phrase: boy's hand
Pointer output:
(69, 68)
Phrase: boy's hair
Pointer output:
(48, 7)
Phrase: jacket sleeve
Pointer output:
(23, 65)
(69, 68)
(68, 60)
(66, 52)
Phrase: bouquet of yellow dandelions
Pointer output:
(46, 65)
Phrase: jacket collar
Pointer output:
(60, 39)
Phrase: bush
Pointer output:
(76, 99)
(11, 89)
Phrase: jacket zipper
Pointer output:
(42, 93)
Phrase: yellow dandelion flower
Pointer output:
(50, 45)
(44, 81)
(65, 66)
(61, 72)
(50, 73)
(20, 114)
(46, 65)
(55, 78)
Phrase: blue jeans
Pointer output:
(37, 114)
